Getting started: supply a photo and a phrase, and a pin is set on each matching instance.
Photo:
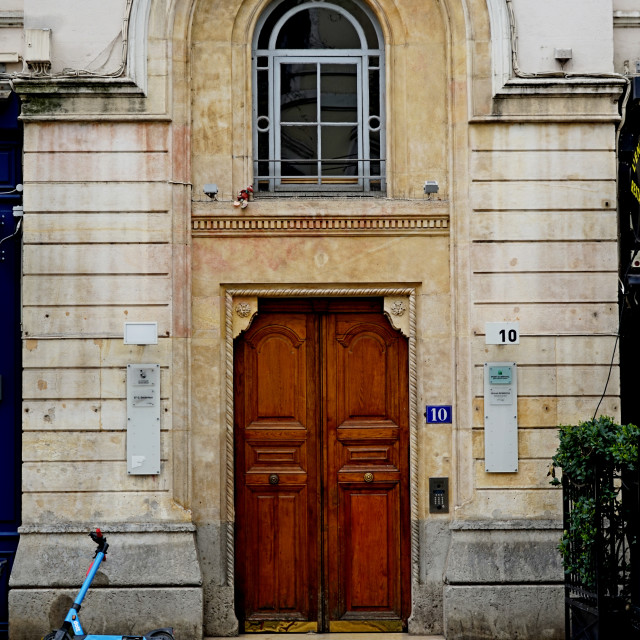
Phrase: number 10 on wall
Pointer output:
(438, 414)
(502, 333)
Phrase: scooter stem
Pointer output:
(93, 569)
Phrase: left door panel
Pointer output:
(276, 424)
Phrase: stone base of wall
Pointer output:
(219, 611)
(525, 612)
(150, 579)
(130, 611)
(504, 580)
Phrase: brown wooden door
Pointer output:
(321, 441)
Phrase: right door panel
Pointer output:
(367, 472)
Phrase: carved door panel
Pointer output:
(321, 461)
(367, 511)
(276, 422)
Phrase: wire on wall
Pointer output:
(76, 73)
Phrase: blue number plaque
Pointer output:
(438, 414)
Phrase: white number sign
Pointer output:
(502, 333)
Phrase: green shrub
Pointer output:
(584, 450)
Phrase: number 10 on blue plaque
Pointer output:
(438, 413)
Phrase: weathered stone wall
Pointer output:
(117, 228)
(105, 241)
(543, 252)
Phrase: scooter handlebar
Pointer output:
(100, 540)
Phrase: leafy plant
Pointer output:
(590, 454)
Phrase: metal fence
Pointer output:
(602, 564)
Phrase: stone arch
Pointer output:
(137, 42)
(464, 28)
(501, 62)
(488, 21)
(230, 30)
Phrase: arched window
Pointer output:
(318, 98)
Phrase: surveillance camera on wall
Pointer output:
(211, 190)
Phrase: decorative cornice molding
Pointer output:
(564, 85)
(557, 97)
(111, 527)
(42, 95)
(230, 225)
(12, 19)
(626, 19)
(74, 85)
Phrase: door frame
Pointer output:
(241, 305)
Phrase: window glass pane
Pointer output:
(318, 28)
(363, 20)
(299, 143)
(339, 93)
(356, 11)
(339, 151)
(263, 94)
(264, 167)
(374, 94)
(374, 150)
(298, 93)
(375, 168)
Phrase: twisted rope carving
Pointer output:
(230, 516)
(413, 439)
(322, 292)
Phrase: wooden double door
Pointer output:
(321, 468)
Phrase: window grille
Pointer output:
(318, 101)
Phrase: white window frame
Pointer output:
(364, 59)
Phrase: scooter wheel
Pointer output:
(53, 634)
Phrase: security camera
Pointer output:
(211, 190)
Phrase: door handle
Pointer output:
(368, 477)
(274, 478)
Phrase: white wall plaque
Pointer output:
(143, 419)
(501, 417)
(141, 333)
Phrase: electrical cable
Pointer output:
(15, 233)
(615, 344)
(76, 73)
(613, 355)
(623, 109)
(18, 189)
(546, 74)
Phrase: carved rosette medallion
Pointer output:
(243, 309)
(398, 308)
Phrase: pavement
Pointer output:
(332, 636)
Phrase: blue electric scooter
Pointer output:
(71, 628)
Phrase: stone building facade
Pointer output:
(137, 109)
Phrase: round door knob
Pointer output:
(274, 478)
(368, 477)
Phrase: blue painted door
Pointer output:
(10, 364)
